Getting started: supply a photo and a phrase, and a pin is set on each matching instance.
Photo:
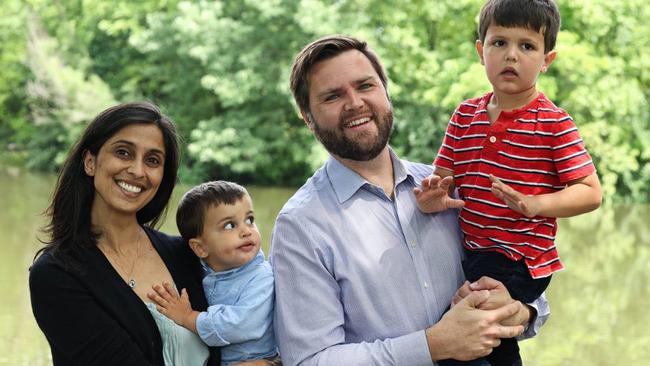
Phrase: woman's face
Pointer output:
(127, 170)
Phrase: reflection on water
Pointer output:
(599, 302)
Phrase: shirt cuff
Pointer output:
(206, 331)
(412, 349)
(543, 311)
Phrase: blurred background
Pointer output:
(220, 69)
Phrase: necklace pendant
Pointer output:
(131, 283)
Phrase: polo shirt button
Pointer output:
(493, 139)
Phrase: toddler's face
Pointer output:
(513, 58)
(230, 237)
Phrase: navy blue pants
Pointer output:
(521, 286)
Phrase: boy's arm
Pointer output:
(248, 318)
(579, 196)
(173, 306)
(434, 193)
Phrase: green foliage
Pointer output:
(221, 69)
(61, 100)
(13, 105)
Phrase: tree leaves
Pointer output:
(221, 69)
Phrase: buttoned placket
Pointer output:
(402, 205)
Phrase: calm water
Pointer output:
(599, 302)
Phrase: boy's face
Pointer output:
(230, 237)
(513, 58)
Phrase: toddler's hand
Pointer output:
(433, 194)
(517, 201)
(173, 306)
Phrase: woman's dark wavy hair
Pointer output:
(69, 229)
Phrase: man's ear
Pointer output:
(197, 248)
(89, 163)
(306, 116)
(479, 50)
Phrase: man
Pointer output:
(362, 276)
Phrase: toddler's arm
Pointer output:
(248, 318)
(434, 193)
(173, 306)
(578, 197)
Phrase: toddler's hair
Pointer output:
(536, 15)
(192, 207)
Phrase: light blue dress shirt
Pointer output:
(359, 276)
(239, 317)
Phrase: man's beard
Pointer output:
(337, 143)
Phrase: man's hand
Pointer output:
(466, 332)
(499, 296)
(176, 308)
(517, 201)
(433, 194)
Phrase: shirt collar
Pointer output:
(259, 258)
(541, 99)
(347, 182)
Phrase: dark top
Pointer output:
(92, 317)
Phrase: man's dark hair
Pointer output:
(323, 49)
(195, 203)
(536, 15)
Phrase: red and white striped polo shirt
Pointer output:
(536, 149)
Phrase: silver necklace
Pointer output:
(130, 279)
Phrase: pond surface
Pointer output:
(600, 303)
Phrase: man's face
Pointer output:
(350, 111)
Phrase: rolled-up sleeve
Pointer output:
(224, 324)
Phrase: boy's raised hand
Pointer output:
(173, 306)
(517, 201)
(433, 194)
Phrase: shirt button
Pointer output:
(413, 244)
(493, 139)
(426, 284)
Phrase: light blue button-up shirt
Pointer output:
(239, 316)
(359, 276)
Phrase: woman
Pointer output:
(89, 285)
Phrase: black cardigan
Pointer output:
(92, 317)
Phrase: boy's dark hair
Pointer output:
(194, 204)
(536, 15)
(323, 49)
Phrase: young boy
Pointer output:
(517, 160)
(217, 220)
